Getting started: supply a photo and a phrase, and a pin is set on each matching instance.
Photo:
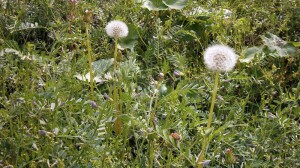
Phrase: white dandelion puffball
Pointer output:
(220, 58)
(116, 29)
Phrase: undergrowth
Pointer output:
(49, 119)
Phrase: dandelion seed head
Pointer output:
(220, 58)
(116, 29)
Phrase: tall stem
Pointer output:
(118, 122)
(211, 112)
(88, 44)
(115, 70)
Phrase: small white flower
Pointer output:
(108, 76)
(116, 29)
(161, 75)
(220, 58)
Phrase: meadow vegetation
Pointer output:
(74, 94)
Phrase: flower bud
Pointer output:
(206, 162)
(106, 97)
(93, 104)
(161, 76)
(229, 156)
(88, 16)
(177, 73)
(176, 136)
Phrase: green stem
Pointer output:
(211, 112)
(120, 95)
(115, 69)
(151, 153)
(152, 116)
(118, 122)
(88, 44)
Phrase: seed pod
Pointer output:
(88, 16)
(176, 136)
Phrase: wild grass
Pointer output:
(52, 114)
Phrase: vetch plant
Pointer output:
(72, 15)
(117, 29)
(217, 58)
(156, 92)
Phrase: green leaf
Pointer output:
(250, 54)
(102, 65)
(175, 4)
(272, 40)
(194, 31)
(155, 5)
(129, 68)
(87, 78)
(99, 68)
(296, 44)
(131, 40)
(11, 44)
(289, 49)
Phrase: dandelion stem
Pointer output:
(213, 100)
(118, 122)
(115, 69)
(211, 112)
(88, 44)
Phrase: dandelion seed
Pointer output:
(116, 29)
(220, 58)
